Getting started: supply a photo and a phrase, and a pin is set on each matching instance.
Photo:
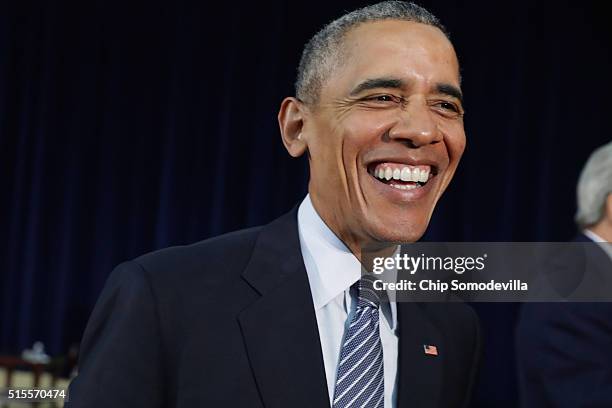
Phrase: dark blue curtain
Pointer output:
(131, 126)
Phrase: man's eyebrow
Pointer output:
(450, 90)
(374, 83)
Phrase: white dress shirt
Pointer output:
(332, 269)
(599, 240)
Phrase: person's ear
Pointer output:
(291, 122)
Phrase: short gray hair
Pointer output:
(594, 185)
(322, 53)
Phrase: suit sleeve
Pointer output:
(120, 362)
(564, 355)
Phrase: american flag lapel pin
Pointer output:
(430, 349)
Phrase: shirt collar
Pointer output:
(593, 236)
(331, 266)
(607, 247)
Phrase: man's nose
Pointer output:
(416, 125)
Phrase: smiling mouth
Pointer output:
(402, 176)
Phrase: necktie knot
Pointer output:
(368, 296)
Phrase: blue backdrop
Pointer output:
(131, 126)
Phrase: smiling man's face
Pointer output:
(386, 134)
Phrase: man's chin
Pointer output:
(398, 232)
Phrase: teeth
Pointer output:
(406, 173)
(424, 175)
(388, 173)
(404, 186)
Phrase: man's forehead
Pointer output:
(411, 52)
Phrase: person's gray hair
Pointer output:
(324, 51)
(594, 185)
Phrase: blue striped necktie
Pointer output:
(360, 376)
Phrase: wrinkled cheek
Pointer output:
(454, 142)
(454, 139)
(326, 168)
(350, 160)
(460, 146)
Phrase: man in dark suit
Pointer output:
(279, 316)
(564, 350)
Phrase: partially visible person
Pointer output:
(564, 350)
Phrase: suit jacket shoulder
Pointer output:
(226, 253)
(148, 309)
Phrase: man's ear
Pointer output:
(291, 122)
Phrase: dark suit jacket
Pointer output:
(564, 350)
(229, 322)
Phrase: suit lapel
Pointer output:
(280, 329)
(420, 374)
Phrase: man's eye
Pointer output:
(449, 106)
(384, 98)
